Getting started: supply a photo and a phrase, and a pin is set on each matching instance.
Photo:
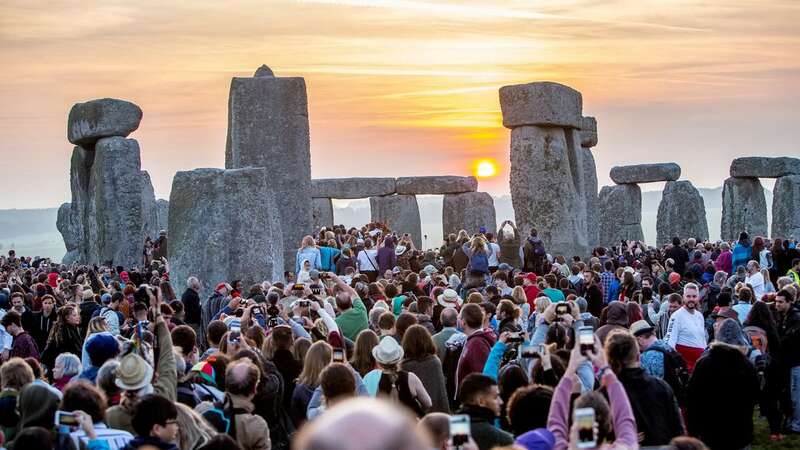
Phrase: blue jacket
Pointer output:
(741, 254)
(312, 255)
(327, 257)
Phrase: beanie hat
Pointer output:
(206, 372)
(52, 279)
(101, 347)
(674, 278)
(105, 298)
(538, 439)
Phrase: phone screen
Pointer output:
(586, 336)
(338, 355)
(65, 418)
(459, 429)
(235, 335)
(562, 308)
(584, 418)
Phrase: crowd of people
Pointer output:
(370, 343)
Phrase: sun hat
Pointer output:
(641, 327)
(133, 373)
(388, 351)
(398, 250)
(450, 298)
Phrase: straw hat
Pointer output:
(388, 351)
(133, 373)
(450, 298)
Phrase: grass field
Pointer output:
(762, 442)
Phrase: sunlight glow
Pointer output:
(485, 168)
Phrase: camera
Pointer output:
(515, 338)
(562, 308)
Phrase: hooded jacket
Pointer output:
(386, 256)
(482, 428)
(616, 317)
(654, 406)
(476, 351)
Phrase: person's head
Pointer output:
(417, 343)
(596, 401)
(68, 314)
(528, 408)
(337, 383)
(184, 336)
(12, 322)
(477, 389)
(783, 301)
(39, 438)
(215, 331)
(15, 374)
(753, 267)
(241, 378)
(48, 304)
(691, 296)
(343, 301)
(686, 443)
(66, 365)
(107, 378)
(436, 426)
(506, 309)
(404, 321)
(448, 317)
(83, 396)
(18, 301)
(319, 356)
(155, 416)
(471, 317)
(622, 350)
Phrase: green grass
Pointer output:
(762, 442)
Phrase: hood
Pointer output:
(534, 240)
(617, 314)
(487, 335)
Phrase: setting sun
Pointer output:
(485, 168)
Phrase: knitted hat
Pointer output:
(133, 373)
(206, 371)
(538, 439)
(674, 278)
(52, 279)
(388, 351)
(101, 347)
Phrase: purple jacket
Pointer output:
(24, 346)
(386, 257)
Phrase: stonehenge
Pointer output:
(214, 242)
(589, 140)
(436, 185)
(400, 213)
(469, 211)
(645, 173)
(547, 170)
(268, 127)
(681, 213)
(620, 214)
(322, 212)
(352, 188)
(113, 206)
(744, 207)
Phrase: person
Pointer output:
(509, 245)
(191, 303)
(494, 256)
(420, 359)
(528, 408)
(679, 256)
(319, 356)
(788, 325)
(352, 318)
(23, 345)
(64, 336)
(652, 349)
(42, 321)
(367, 260)
(616, 417)
(111, 312)
(83, 396)
(686, 331)
(480, 400)
(744, 303)
(329, 254)
(478, 253)
(741, 252)
(616, 314)
(308, 251)
(722, 421)
(155, 422)
(533, 254)
(592, 293)
(338, 384)
(448, 319)
(478, 344)
(652, 401)
(399, 385)
(756, 280)
(15, 374)
(724, 261)
(67, 366)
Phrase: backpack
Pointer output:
(676, 373)
(449, 366)
(479, 262)
(222, 417)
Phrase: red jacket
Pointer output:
(474, 355)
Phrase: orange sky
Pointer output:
(404, 87)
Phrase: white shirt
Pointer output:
(757, 281)
(367, 260)
(687, 329)
(493, 261)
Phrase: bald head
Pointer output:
(241, 378)
(448, 317)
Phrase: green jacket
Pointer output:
(352, 321)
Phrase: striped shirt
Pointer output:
(117, 439)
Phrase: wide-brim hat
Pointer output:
(640, 327)
(133, 373)
(450, 298)
(430, 269)
(388, 351)
(399, 250)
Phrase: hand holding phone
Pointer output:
(460, 430)
(584, 426)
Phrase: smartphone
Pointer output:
(586, 339)
(304, 303)
(338, 355)
(584, 418)
(298, 287)
(66, 418)
(459, 429)
(562, 308)
(515, 337)
(530, 351)
(235, 335)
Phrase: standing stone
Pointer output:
(620, 214)
(162, 212)
(547, 167)
(149, 208)
(101, 118)
(268, 127)
(765, 167)
(786, 207)
(744, 208)
(436, 185)
(468, 211)
(681, 213)
(70, 232)
(589, 140)
(210, 240)
(400, 213)
(323, 212)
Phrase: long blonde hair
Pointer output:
(96, 325)
(319, 356)
(308, 241)
(518, 294)
(541, 304)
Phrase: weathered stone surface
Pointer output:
(541, 103)
(71, 233)
(744, 208)
(149, 208)
(620, 214)
(590, 196)
(681, 213)
(468, 211)
(215, 242)
(162, 213)
(765, 167)
(400, 213)
(645, 173)
(106, 117)
(322, 209)
(268, 127)
(547, 187)
(351, 188)
(786, 207)
(436, 185)
(264, 71)
(588, 132)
